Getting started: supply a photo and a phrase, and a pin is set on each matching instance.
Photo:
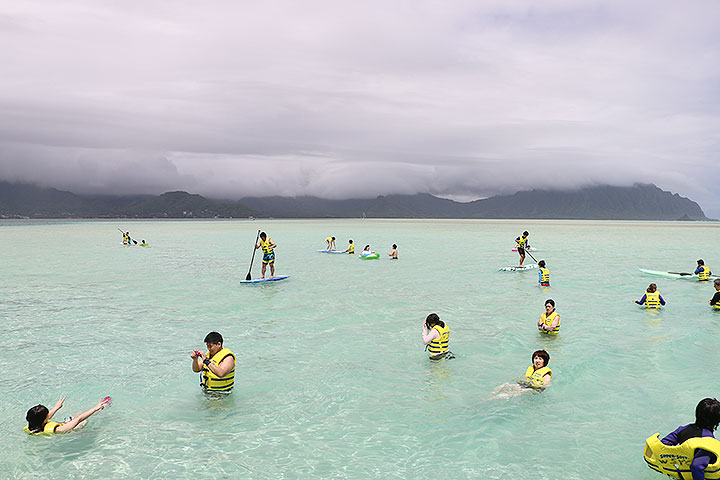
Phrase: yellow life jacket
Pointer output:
(674, 461)
(352, 249)
(440, 344)
(544, 275)
(717, 305)
(704, 273)
(652, 300)
(328, 239)
(266, 248)
(211, 382)
(535, 377)
(548, 321)
(521, 242)
(48, 430)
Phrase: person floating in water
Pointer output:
(652, 298)
(538, 375)
(436, 337)
(351, 248)
(543, 274)
(40, 421)
(715, 300)
(217, 365)
(268, 248)
(143, 243)
(330, 243)
(549, 323)
(707, 418)
(393, 254)
(522, 244)
(702, 271)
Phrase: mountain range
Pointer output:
(638, 202)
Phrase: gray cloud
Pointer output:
(338, 99)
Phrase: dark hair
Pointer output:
(542, 354)
(541, 263)
(263, 235)
(333, 238)
(550, 301)
(717, 281)
(36, 417)
(350, 240)
(366, 247)
(213, 337)
(700, 262)
(526, 232)
(707, 414)
(394, 246)
(652, 288)
(434, 319)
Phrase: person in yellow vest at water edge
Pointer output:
(268, 248)
(691, 449)
(549, 322)
(715, 300)
(436, 337)
(217, 365)
(652, 298)
(40, 421)
(538, 375)
(703, 271)
(543, 274)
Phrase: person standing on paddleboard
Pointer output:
(268, 248)
(522, 244)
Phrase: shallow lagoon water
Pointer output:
(332, 380)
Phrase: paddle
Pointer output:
(248, 277)
(134, 241)
(528, 252)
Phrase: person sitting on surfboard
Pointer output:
(707, 418)
(702, 271)
(393, 253)
(715, 300)
(330, 243)
(351, 248)
(652, 298)
(522, 244)
(268, 247)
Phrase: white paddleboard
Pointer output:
(269, 279)
(516, 268)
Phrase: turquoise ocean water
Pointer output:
(332, 380)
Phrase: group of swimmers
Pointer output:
(331, 247)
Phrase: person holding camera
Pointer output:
(217, 365)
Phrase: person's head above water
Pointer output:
(36, 417)
(717, 283)
(707, 414)
(350, 241)
(394, 246)
(545, 356)
(701, 262)
(550, 302)
(213, 341)
(263, 235)
(525, 233)
(541, 264)
(432, 320)
(367, 247)
(652, 288)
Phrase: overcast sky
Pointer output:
(342, 99)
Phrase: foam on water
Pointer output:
(332, 380)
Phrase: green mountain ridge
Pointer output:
(638, 202)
